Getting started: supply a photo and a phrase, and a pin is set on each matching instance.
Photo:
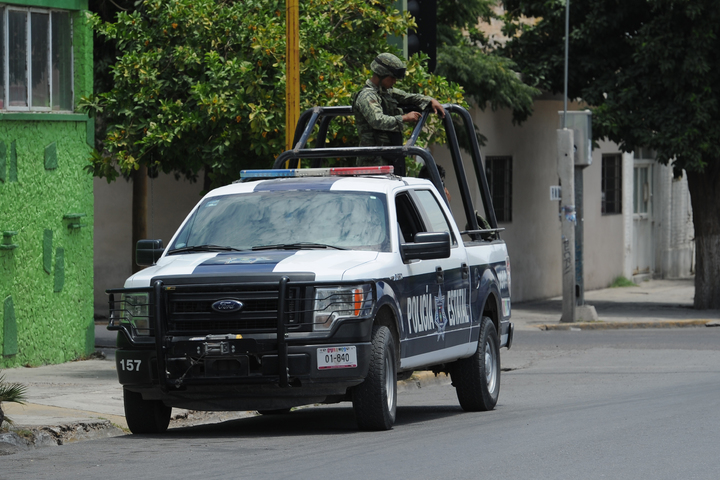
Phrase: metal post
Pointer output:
(567, 54)
(579, 236)
(292, 69)
(281, 340)
(565, 168)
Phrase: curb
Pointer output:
(20, 439)
(422, 379)
(602, 325)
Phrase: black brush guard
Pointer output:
(159, 315)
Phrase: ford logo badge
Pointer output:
(226, 306)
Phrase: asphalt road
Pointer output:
(573, 405)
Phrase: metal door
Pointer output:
(643, 242)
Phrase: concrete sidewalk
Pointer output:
(83, 399)
(651, 304)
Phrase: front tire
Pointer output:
(145, 416)
(375, 400)
(477, 378)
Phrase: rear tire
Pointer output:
(477, 378)
(145, 416)
(375, 400)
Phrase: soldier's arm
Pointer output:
(418, 100)
(404, 98)
(368, 105)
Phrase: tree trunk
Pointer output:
(207, 181)
(705, 196)
(139, 210)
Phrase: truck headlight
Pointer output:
(340, 302)
(136, 311)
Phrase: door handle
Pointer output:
(439, 276)
(465, 271)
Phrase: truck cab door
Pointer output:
(455, 299)
(435, 293)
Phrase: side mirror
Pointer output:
(427, 246)
(147, 252)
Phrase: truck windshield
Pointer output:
(349, 220)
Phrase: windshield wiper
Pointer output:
(205, 248)
(295, 246)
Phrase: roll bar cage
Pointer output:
(324, 115)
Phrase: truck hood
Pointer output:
(325, 264)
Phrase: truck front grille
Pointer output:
(191, 311)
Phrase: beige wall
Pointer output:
(533, 236)
(604, 234)
(169, 202)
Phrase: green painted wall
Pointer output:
(46, 225)
(52, 310)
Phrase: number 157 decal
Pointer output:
(130, 365)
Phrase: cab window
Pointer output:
(435, 219)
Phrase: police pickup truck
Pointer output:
(296, 286)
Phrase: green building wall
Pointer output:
(46, 222)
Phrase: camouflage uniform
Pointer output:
(378, 116)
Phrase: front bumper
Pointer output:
(238, 380)
(239, 370)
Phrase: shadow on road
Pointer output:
(337, 420)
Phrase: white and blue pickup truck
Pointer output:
(312, 285)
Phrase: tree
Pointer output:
(467, 55)
(199, 85)
(648, 67)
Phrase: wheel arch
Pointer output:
(387, 317)
(492, 308)
(489, 297)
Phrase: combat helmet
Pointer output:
(387, 64)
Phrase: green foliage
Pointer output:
(12, 392)
(200, 84)
(647, 66)
(467, 56)
(622, 281)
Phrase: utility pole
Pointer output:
(292, 69)
(565, 169)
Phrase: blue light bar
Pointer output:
(317, 172)
(272, 173)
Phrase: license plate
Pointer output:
(336, 357)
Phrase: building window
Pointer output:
(499, 176)
(643, 189)
(36, 59)
(612, 183)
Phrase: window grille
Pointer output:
(36, 59)
(611, 184)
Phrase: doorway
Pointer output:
(643, 222)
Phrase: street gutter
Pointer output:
(601, 325)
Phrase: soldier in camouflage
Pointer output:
(378, 116)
